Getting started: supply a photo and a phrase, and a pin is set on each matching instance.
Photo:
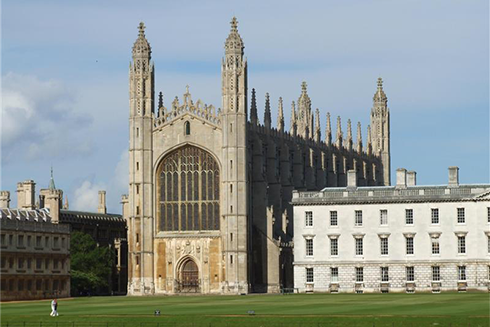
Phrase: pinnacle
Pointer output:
(234, 24)
(303, 87)
(380, 83)
(141, 29)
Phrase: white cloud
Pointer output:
(86, 196)
(38, 120)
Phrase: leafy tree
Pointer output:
(91, 265)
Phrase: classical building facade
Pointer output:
(208, 208)
(44, 218)
(35, 259)
(406, 238)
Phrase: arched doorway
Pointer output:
(189, 277)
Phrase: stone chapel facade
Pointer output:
(209, 206)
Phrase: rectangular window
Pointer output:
(435, 246)
(383, 217)
(11, 240)
(461, 244)
(29, 265)
(20, 240)
(333, 218)
(56, 242)
(488, 215)
(384, 274)
(359, 274)
(46, 241)
(20, 263)
(461, 218)
(309, 247)
(410, 274)
(334, 246)
(38, 241)
(29, 240)
(4, 262)
(358, 218)
(436, 273)
(434, 214)
(309, 275)
(309, 218)
(409, 216)
(384, 245)
(334, 274)
(3, 239)
(63, 242)
(46, 263)
(39, 263)
(359, 247)
(488, 243)
(461, 272)
(409, 244)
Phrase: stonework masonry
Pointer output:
(208, 208)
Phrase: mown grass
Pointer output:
(446, 309)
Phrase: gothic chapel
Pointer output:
(209, 207)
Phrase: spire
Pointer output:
(51, 182)
(318, 133)
(292, 125)
(339, 133)
(380, 96)
(253, 110)
(349, 135)
(328, 132)
(141, 47)
(369, 141)
(234, 42)
(280, 117)
(359, 138)
(66, 205)
(267, 111)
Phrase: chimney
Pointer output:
(4, 199)
(102, 208)
(351, 178)
(401, 178)
(26, 192)
(453, 176)
(125, 206)
(411, 178)
(51, 199)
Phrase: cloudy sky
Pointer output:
(65, 78)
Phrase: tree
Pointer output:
(91, 265)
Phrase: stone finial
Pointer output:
(349, 135)
(293, 124)
(254, 119)
(66, 206)
(369, 141)
(234, 42)
(267, 111)
(328, 132)
(280, 117)
(141, 47)
(359, 138)
(160, 100)
(318, 133)
(339, 133)
(380, 96)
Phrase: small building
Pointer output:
(403, 238)
(35, 260)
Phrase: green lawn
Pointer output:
(446, 309)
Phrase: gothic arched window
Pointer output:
(187, 128)
(188, 191)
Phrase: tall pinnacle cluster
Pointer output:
(305, 124)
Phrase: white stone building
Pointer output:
(403, 238)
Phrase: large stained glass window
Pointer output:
(188, 190)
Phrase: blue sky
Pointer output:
(65, 78)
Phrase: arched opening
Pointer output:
(188, 281)
(187, 128)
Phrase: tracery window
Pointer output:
(188, 191)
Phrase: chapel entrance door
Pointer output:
(189, 278)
